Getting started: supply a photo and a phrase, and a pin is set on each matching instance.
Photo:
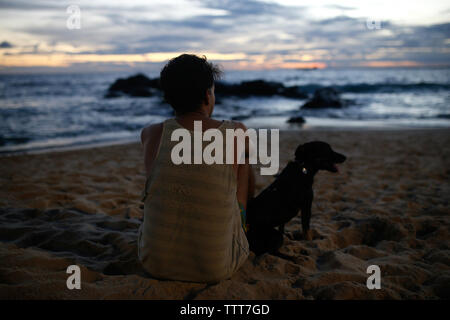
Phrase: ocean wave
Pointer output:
(378, 87)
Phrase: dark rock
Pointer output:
(239, 118)
(249, 88)
(298, 119)
(141, 86)
(258, 88)
(325, 98)
(112, 94)
(293, 92)
(224, 89)
(261, 88)
(137, 86)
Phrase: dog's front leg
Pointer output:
(306, 215)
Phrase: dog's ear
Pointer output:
(300, 153)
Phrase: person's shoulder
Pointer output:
(238, 125)
(151, 131)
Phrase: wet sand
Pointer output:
(389, 206)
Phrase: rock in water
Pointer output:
(137, 86)
(325, 98)
(294, 92)
(299, 120)
(141, 86)
(249, 88)
(261, 87)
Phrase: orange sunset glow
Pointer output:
(248, 35)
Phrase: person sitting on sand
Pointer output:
(194, 214)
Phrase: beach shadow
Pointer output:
(100, 242)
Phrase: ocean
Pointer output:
(40, 112)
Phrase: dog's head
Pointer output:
(319, 156)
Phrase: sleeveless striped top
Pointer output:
(192, 226)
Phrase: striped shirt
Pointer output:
(192, 226)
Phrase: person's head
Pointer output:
(188, 83)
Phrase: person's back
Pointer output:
(192, 212)
(192, 225)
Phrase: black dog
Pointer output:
(290, 192)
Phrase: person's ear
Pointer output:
(207, 97)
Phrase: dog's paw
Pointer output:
(298, 235)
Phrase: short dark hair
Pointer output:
(185, 79)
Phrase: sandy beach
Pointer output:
(388, 206)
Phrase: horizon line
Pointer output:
(122, 68)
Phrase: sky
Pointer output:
(238, 34)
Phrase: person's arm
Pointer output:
(150, 140)
(245, 179)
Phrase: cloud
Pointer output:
(244, 8)
(339, 7)
(28, 5)
(268, 33)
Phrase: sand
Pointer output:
(389, 206)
